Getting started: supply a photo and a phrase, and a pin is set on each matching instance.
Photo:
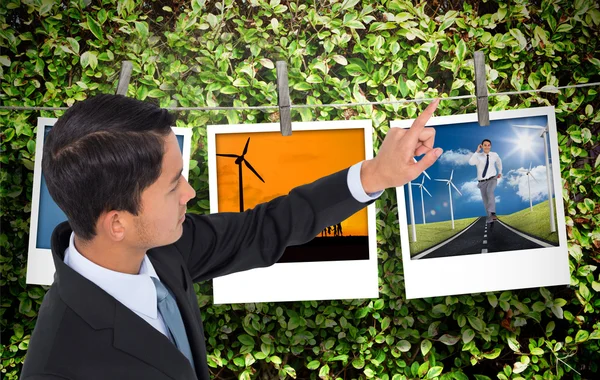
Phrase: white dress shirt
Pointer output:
(137, 291)
(479, 159)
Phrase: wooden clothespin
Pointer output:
(124, 77)
(483, 112)
(283, 97)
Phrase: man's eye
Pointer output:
(175, 188)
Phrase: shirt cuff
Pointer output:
(356, 187)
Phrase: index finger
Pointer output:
(417, 126)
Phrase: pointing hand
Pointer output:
(394, 165)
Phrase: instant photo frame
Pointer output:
(45, 214)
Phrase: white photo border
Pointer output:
(40, 265)
(465, 274)
(325, 280)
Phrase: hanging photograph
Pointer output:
(486, 216)
(46, 215)
(252, 164)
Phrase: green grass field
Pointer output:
(535, 223)
(431, 234)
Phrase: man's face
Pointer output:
(164, 202)
(487, 146)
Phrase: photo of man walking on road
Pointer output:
(489, 170)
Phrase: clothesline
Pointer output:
(551, 89)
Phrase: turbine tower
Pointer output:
(422, 187)
(528, 173)
(544, 136)
(411, 206)
(238, 161)
(449, 182)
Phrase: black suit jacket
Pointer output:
(84, 333)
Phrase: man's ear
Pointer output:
(113, 225)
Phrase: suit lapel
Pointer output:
(143, 341)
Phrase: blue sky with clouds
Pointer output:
(517, 148)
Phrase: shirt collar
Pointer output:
(136, 291)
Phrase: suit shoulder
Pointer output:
(49, 319)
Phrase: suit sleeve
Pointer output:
(222, 243)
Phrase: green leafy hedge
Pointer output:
(208, 53)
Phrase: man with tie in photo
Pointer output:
(489, 170)
(122, 305)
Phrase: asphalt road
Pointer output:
(480, 238)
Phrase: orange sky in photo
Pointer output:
(285, 162)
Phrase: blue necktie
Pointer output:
(167, 307)
(487, 164)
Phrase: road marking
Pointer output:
(536, 241)
(485, 242)
(485, 235)
(484, 250)
(425, 253)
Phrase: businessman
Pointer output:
(122, 305)
(489, 170)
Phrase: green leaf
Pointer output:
(449, 340)
(246, 340)
(476, 323)
(403, 345)
(493, 354)
(74, 44)
(461, 50)
(340, 59)
(156, 93)
(228, 90)
(581, 336)
(519, 367)
(468, 335)
(142, 29)
(425, 346)
(349, 4)
(94, 27)
(434, 372)
(266, 62)
(537, 351)
(4, 60)
(313, 364)
(89, 58)
(46, 6)
(324, 371)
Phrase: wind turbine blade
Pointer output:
(253, 171)
(529, 165)
(424, 188)
(423, 181)
(415, 184)
(455, 188)
(426, 175)
(441, 180)
(246, 147)
(451, 174)
(527, 126)
(228, 155)
(533, 177)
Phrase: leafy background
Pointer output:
(208, 53)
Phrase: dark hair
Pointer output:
(101, 155)
(484, 140)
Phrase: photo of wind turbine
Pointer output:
(496, 211)
(450, 183)
(239, 159)
(522, 181)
